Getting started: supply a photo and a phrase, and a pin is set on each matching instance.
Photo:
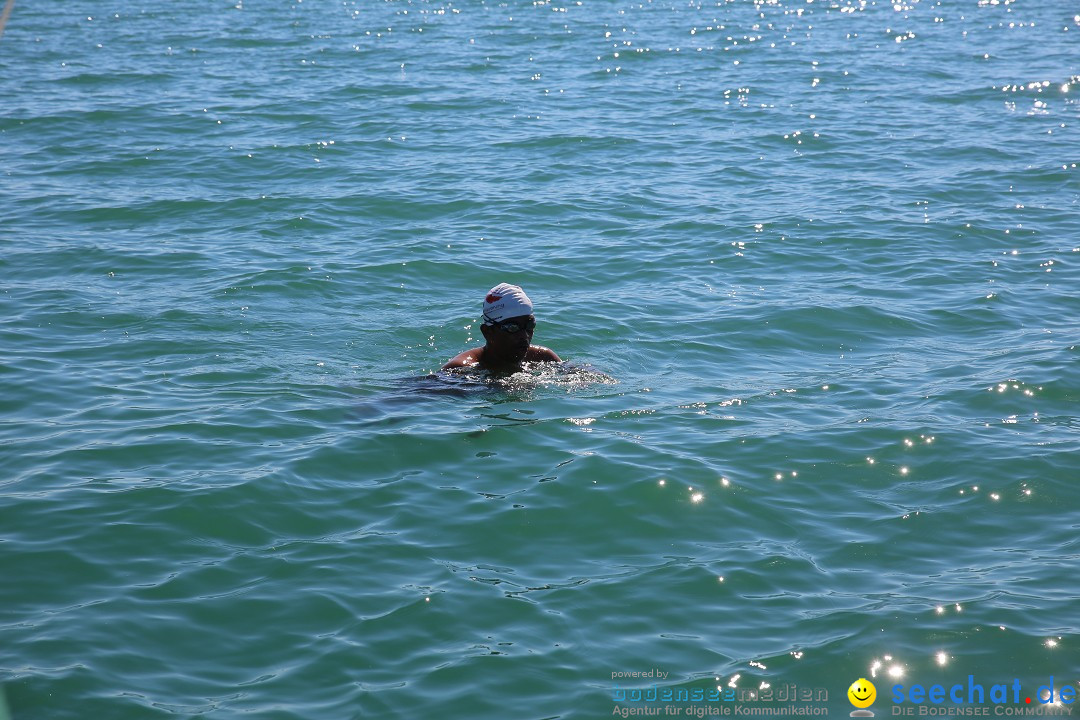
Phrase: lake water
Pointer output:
(813, 265)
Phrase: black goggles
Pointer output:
(514, 326)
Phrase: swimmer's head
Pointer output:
(508, 324)
(505, 301)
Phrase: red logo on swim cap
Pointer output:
(492, 298)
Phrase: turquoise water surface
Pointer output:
(813, 265)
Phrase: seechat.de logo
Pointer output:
(862, 694)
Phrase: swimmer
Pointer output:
(508, 326)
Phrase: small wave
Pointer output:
(532, 376)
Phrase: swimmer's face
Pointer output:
(862, 693)
(511, 338)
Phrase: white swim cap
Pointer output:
(506, 301)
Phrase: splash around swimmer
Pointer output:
(508, 326)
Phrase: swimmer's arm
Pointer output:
(539, 353)
(465, 359)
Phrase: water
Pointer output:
(826, 251)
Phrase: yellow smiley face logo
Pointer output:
(862, 693)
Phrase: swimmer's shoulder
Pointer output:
(539, 353)
(465, 359)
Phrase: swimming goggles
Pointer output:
(513, 326)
